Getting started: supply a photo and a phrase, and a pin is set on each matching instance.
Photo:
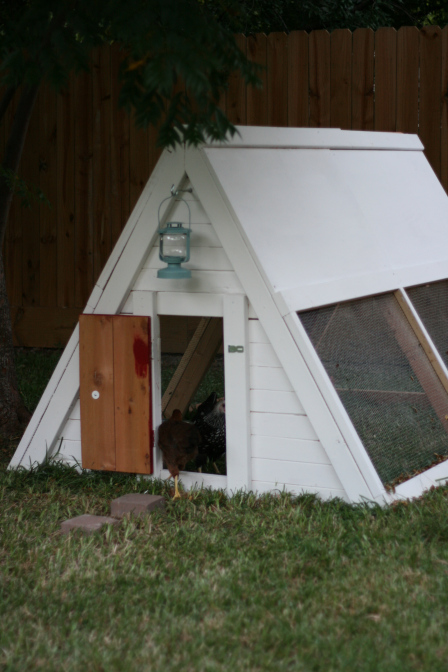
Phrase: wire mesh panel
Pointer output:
(431, 303)
(385, 381)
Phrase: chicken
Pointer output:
(179, 442)
(210, 420)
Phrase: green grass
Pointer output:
(214, 583)
(34, 368)
(246, 583)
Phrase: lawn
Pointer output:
(240, 583)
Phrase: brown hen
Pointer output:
(179, 442)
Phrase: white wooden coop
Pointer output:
(326, 254)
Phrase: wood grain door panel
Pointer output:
(132, 394)
(115, 393)
(97, 392)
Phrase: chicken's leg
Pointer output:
(176, 489)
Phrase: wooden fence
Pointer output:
(92, 162)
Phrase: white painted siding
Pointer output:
(289, 450)
(215, 282)
(201, 259)
(286, 453)
(295, 473)
(68, 444)
(282, 426)
(212, 270)
(268, 378)
(275, 401)
(75, 413)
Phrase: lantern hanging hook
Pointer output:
(174, 194)
(175, 191)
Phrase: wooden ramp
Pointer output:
(193, 366)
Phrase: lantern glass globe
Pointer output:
(174, 249)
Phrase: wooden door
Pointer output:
(115, 393)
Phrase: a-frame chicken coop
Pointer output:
(325, 255)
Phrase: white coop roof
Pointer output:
(332, 215)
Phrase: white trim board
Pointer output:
(416, 486)
(236, 368)
(53, 409)
(192, 480)
(318, 138)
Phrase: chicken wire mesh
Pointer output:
(385, 381)
(431, 303)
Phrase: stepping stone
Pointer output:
(136, 503)
(87, 523)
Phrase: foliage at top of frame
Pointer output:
(265, 16)
(177, 56)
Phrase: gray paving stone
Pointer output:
(136, 503)
(87, 523)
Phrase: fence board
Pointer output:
(444, 129)
(94, 166)
(66, 198)
(101, 159)
(83, 188)
(385, 79)
(320, 67)
(2, 126)
(30, 216)
(47, 144)
(138, 162)
(363, 79)
(13, 235)
(340, 82)
(49, 327)
(119, 148)
(407, 80)
(236, 92)
(2, 153)
(257, 108)
(222, 104)
(298, 80)
(277, 71)
(430, 93)
(153, 149)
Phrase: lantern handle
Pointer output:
(175, 194)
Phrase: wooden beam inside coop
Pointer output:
(193, 366)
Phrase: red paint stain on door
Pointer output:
(141, 357)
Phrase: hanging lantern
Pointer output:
(174, 245)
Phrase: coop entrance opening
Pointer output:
(386, 375)
(193, 382)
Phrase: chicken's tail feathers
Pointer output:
(207, 405)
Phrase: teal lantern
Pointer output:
(174, 245)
